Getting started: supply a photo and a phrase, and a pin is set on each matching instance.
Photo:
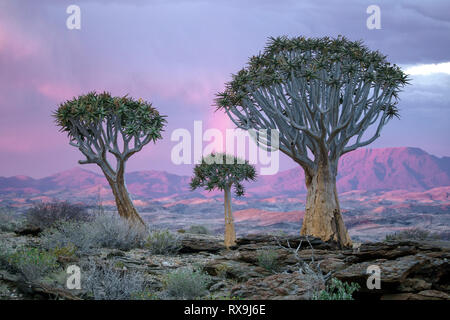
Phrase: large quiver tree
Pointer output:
(322, 95)
(99, 124)
(221, 171)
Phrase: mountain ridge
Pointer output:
(381, 169)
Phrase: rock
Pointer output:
(331, 264)
(115, 253)
(230, 269)
(218, 286)
(414, 285)
(191, 243)
(422, 295)
(294, 286)
(294, 241)
(434, 295)
(399, 296)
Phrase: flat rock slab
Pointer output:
(201, 243)
(293, 286)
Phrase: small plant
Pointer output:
(198, 230)
(70, 250)
(8, 220)
(4, 292)
(104, 282)
(112, 231)
(186, 284)
(337, 290)
(412, 234)
(45, 215)
(32, 263)
(222, 270)
(65, 234)
(163, 242)
(268, 259)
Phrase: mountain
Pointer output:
(369, 169)
(385, 169)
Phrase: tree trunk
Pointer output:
(124, 204)
(230, 233)
(323, 217)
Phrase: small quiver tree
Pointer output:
(221, 171)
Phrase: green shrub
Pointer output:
(337, 290)
(186, 283)
(45, 215)
(268, 259)
(104, 282)
(163, 242)
(68, 251)
(32, 263)
(196, 229)
(412, 234)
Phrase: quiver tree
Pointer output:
(322, 95)
(221, 171)
(100, 125)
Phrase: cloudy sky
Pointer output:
(179, 53)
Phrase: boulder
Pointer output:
(191, 243)
(283, 286)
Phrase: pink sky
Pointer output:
(177, 54)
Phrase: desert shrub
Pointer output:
(268, 259)
(45, 215)
(32, 263)
(163, 242)
(4, 291)
(4, 254)
(9, 221)
(66, 234)
(104, 231)
(104, 282)
(70, 250)
(196, 229)
(186, 283)
(412, 234)
(337, 290)
(111, 231)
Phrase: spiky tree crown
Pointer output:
(310, 59)
(221, 171)
(135, 117)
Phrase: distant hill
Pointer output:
(383, 169)
(369, 169)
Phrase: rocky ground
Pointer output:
(410, 270)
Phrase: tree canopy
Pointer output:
(100, 123)
(221, 171)
(318, 92)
